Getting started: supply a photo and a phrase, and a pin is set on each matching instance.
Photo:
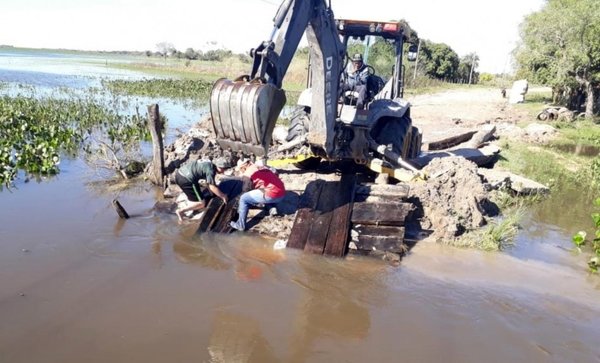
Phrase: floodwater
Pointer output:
(79, 284)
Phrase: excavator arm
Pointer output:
(244, 111)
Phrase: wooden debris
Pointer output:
(120, 210)
(517, 183)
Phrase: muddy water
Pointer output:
(78, 284)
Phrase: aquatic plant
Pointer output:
(171, 88)
(35, 132)
(580, 240)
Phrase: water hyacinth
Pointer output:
(169, 88)
(35, 132)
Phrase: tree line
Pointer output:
(165, 49)
(560, 47)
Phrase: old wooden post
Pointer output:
(158, 161)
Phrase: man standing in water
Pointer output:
(188, 178)
(267, 189)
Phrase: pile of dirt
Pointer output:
(453, 200)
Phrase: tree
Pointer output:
(439, 60)
(191, 54)
(467, 69)
(165, 49)
(561, 48)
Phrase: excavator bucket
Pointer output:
(244, 114)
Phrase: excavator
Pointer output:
(326, 123)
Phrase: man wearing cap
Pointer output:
(266, 188)
(188, 178)
(356, 80)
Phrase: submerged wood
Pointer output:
(120, 210)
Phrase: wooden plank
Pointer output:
(222, 224)
(373, 230)
(210, 215)
(339, 229)
(379, 243)
(304, 215)
(385, 214)
(378, 238)
(399, 191)
(317, 236)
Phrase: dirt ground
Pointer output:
(452, 112)
(452, 201)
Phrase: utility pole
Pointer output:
(417, 60)
(472, 66)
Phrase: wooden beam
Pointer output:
(304, 215)
(157, 172)
(399, 191)
(337, 237)
(317, 236)
(211, 214)
(378, 238)
(386, 214)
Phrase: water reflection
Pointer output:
(335, 300)
(237, 338)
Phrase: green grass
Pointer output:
(579, 133)
(498, 235)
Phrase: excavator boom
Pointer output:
(244, 111)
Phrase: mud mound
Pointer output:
(453, 200)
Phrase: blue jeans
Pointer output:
(247, 199)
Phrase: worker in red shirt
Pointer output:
(267, 188)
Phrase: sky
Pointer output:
(489, 28)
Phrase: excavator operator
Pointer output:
(357, 80)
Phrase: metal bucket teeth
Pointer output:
(244, 114)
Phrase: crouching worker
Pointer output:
(266, 187)
(188, 178)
